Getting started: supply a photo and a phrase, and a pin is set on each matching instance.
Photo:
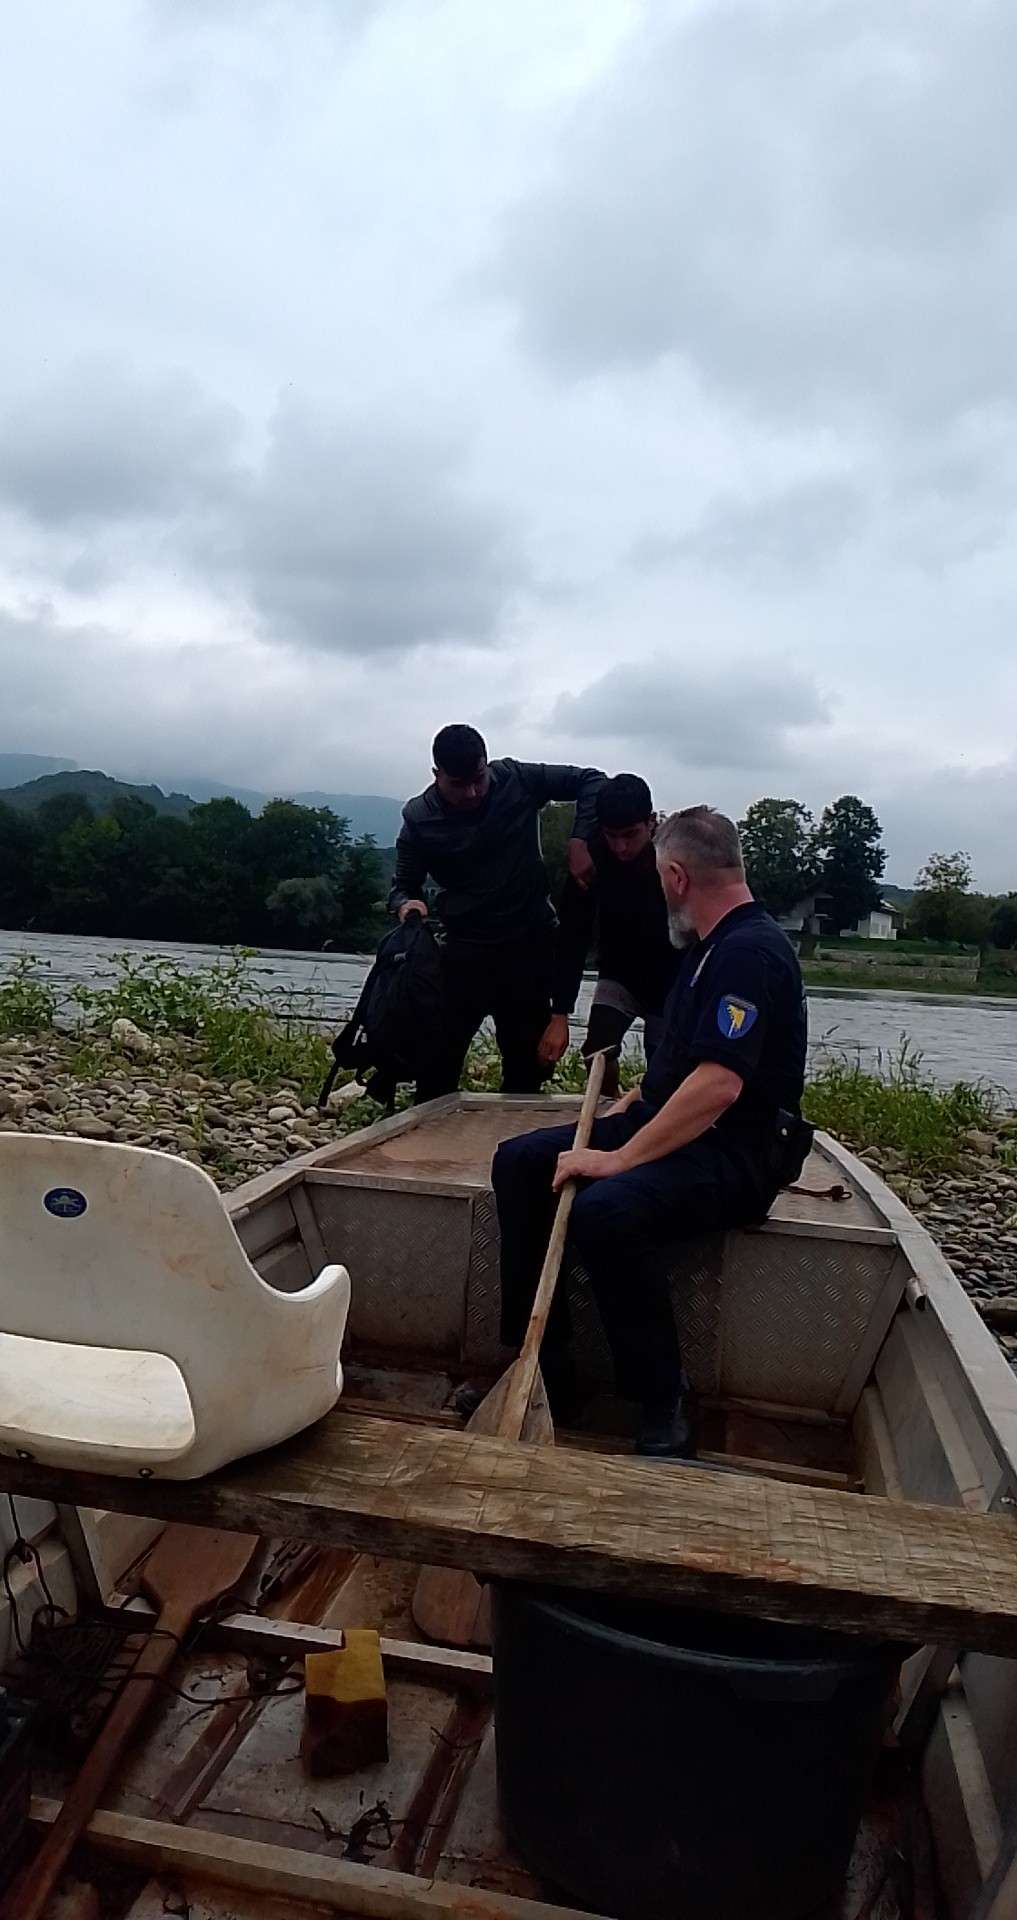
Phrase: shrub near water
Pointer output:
(27, 1004)
(900, 1107)
(240, 1032)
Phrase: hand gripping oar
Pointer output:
(449, 1605)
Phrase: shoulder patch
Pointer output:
(736, 1017)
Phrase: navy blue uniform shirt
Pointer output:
(739, 1000)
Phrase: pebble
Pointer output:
(90, 1127)
(280, 1114)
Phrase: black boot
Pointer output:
(665, 1427)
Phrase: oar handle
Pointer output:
(525, 1370)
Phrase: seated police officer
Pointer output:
(705, 1142)
(623, 909)
(476, 832)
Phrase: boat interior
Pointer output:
(832, 1353)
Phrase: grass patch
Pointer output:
(901, 979)
(483, 1070)
(27, 1003)
(899, 1107)
(239, 1033)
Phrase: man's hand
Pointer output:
(581, 865)
(413, 906)
(583, 1163)
(553, 1040)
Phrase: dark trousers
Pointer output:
(605, 1032)
(620, 1228)
(508, 980)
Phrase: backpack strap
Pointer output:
(344, 1043)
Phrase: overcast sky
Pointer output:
(635, 380)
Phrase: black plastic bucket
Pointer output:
(667, 1765)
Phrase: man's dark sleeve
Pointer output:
(576, 914)
(410, 869)
(736, 1013)
(581, 784)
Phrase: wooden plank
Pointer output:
(645, 1529)
(341, 1885)
(293, 1639)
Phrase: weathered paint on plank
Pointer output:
(652, 1531)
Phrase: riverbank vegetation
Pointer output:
(231, 1029)
(292, 876)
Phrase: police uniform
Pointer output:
(738, 1000)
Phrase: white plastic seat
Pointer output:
(135, 1335)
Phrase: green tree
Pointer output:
(227, 904)
(1003, 921)
(305, 909)
(290, 842)
(556, 823)
(851, 860)
(362, 893)
(21, 887)
(944, 908)
(84, 883)
(778, 841)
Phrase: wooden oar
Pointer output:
(449, 1605)
(189, 1570)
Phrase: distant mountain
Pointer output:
(97, 788)
(22, 774)
(897, 896)
(374, 813)
(16, 768)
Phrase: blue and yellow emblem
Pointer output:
(736, 1017)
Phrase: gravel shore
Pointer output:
(163, 1099)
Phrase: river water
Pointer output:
(960, 1037)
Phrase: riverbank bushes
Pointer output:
(900, 1109)
(292, 876)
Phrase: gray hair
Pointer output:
(702, 839)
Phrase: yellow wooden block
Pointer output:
(345, 1706)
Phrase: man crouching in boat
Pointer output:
(705, 1142)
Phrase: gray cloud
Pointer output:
(814, 207)
(742, 716)
(354, 533)
(101, 443)
(358, 535)
(802, 528)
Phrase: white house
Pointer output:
(806, 916)
(881, 924)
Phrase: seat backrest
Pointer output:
(106, 1245)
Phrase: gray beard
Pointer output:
(681, 929)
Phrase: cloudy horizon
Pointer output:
(635, 381)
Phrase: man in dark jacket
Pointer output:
(624, 910)
(476, 833)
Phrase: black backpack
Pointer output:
(393, 1027)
